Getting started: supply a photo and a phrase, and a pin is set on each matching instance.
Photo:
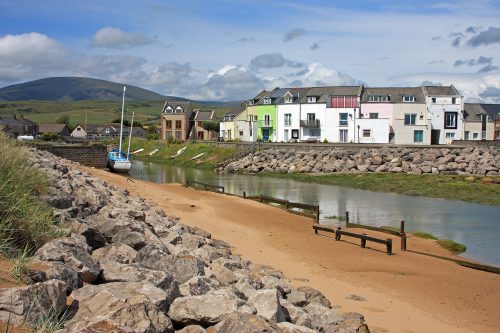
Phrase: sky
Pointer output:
(231, 50)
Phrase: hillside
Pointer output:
(74, 89)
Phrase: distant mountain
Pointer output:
(75, 89)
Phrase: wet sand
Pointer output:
(405, 292)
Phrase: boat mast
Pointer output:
(121, 122)
(130, 136)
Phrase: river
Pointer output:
(477, 226)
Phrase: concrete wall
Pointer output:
(379, 130)
(404, 134)
(95, 155)
(294, 110)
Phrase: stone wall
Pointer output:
(94, 155)
(482, 161)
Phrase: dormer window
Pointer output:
(178, 109)
(311, 99)
(378, 98)
(408, 98)
(288, 98)
(266, 100)
(250, 102)
(168, 109)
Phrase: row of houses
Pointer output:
(357, 114)
(20, 126)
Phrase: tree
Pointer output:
(211, 126)
(63, 119)
(126, 123)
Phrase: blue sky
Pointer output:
(228, 50)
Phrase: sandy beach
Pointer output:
(405, 292)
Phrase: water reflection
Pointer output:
(477, 226)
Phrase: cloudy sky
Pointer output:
(230, 49)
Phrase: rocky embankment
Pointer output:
(480, 161)
(126, 266)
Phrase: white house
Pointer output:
(445, 106)
(342, 109)
(79, 132)
(288, 115)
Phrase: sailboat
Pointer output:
(117, 162)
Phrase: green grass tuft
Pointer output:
(335, 217)
(424, 235)
(452, 245)
(390, 227)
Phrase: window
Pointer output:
(367, 133)
(314, 132)
(467, 135)
(344, 101)
(178, 109)
(343, 119)
(169, 109)
(295, 134)
(178, 124)
(255, 117)
(241, 133)
(373, 115)
(168, 123)
(475, 136)
(343, 135)
(251, 132)
(453, 100)
(288, 119)
(410, 118)
(288, 98)
(266, 100)
(433, 99)
(199, 123)
(78, 129)
(450, 135)
(311, 99)
(418, 136)
(450, 120)
(169, 134)
(267, 120)
(178, 135)
(378, 98)
(285, 138)
(311, 116)
(408, 98)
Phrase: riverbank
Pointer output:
(404, 292)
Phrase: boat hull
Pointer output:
(119, 166)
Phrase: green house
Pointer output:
(266, 112)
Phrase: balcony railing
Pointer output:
(310, 123)
(265, 123)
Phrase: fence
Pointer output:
(205, 185)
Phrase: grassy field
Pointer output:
(98, 112)
(434, 186)
(212, 155)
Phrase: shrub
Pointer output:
(49, 136)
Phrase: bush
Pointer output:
(49, 136)
(153, 136)
(25, 221)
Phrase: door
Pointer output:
(286, 136)
(201, 135)
(435, 134)
(265, 134)
(343, 135)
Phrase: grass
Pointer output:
(390, 227)
(424, 235)
(435, 186)
(335, 217)
(452, 245)
(25, 221)
(212, 154)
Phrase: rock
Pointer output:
(93, 237)
(134, 239)
(113, 271)
(224, 275)
(314, 296)
(244, 322)
(322, 317)
(470, 179)
(487, 180)
(267, 304)
(72, 252)
(27, 304)
(118, 252)
(297, 298)
(197, 285)
(203, 310)
(137, 306)
(151, 255)
(295, 314)
(41, 271)
(292, 328)
(183, 266)
(192, 329)
(271, 282)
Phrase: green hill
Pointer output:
(74, 89)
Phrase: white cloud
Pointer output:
(318, 74)
(30, 49)
(110, 37)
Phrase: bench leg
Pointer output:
(363, 242)
(389, 246)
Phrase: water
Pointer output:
(477, 226)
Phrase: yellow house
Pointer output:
(478, 125)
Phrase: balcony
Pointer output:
(265, 123)
(310, 123)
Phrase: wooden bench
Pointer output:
(205, 185)
(339, 233)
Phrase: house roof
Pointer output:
(474, 111)
(10, 122)
(186, 106)
(440, 91)
(53, 128)
(259, 96)
(297, 94)
(396, 94)
(325, 92)
(493, 110)
(203, 115)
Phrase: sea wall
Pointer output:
(482, 161)
(129, 267)
(94, 155)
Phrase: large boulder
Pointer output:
(140, 307)
(74, 253)
(118, 252)
(40, 271)
(198, 285)
(267, 304)
(314, 296)
(244, 322)
(204, 310)
(183, 266)
(28, 304)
